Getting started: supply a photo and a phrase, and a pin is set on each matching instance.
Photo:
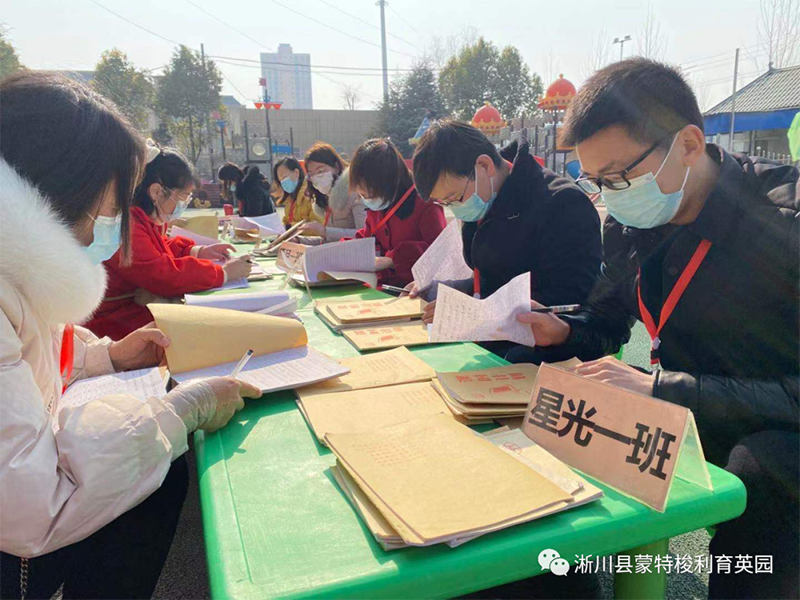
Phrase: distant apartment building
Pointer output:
(288, 77)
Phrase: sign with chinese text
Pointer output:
(289, 257)
(629, 441)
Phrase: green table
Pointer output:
(276, 525)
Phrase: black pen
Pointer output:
(558, 310)
(393, 288)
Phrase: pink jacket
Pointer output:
(108, 455)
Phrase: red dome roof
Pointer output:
(558, 95)
(487, 118)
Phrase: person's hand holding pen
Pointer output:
(547, 328)
(238, 267)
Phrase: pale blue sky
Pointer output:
(71, 35)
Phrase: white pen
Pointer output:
(242, 363)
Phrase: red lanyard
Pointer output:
(67, 354)
(394, 209)
(291, 212)
(672, 300)
(476, 275)
(327, 216)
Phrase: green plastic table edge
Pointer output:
(219, 515)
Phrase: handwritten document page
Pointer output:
(461, 318)
(290, 257)
(443, 260)
(368, 410)
(434, 479)
(141, 384)
(283, 370)
(388, 336)
(380, 369)
(267, 225)
(350, 256)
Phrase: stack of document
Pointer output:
(432, 480)
(267, 225)
(364, 410)
(414, 333)
(496, 393)
(339, 315)
(209, 342)
(380, 369)
(280, 304)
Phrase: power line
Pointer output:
(262, 45)
(689, 63)
(397, 14)
(336, 29)
(137, 25)
(293, 65)
(242, 33)
(279, 70)
(357, 18)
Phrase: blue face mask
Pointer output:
(643, 205)
(474, 208)
(289, 185)
(107, 236)
(179, 208)
(375, 204)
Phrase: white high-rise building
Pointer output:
(288, 77)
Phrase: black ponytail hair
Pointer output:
(171, 169)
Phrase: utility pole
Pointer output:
(208, 123)
(382, 4)
(266, 104)
(733, 99)
(621, 41)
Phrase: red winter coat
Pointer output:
(404, 240)
(162, 266)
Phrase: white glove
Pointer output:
(208, 404)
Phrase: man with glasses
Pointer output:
(517, 218)
(703, 247)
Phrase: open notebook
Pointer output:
(352, 261)
(209, 342)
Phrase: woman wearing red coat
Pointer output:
(160, 268)
(402, 224)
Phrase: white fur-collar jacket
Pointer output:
(348, 213)
(59, 484)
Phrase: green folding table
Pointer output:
(276, 525)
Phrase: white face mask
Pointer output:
(375, 204)
(323, 182)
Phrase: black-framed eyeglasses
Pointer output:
(593, 185)
(445, 203)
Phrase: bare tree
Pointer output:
(651, 41)
(351, 96)
(550, 70)
(702, 91)
(778, 30)
(599, 54)
(441, 49)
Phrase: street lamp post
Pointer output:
(621, 41)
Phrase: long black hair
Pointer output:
(71, 143)
(291, 163)
(171, 169)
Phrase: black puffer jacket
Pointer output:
(253, 194)
(730, 349)
(541, 223)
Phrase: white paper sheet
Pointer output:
(443, 260)
(270, 224)
(283, 370)
(198, 239)
(233, 284)
(245, 301)
(141, 384)
(461, 318)
(352, 255)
